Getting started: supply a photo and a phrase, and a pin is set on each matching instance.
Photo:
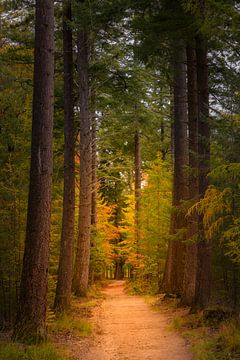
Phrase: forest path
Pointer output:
(127, 329)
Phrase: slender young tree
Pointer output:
(64, 282)
(81, 273)
(174, 269)
(31, 315)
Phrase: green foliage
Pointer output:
(14, 351)
(221, 211)
(68, 324)
(223, 345)
(210, 341)
(104, 236)
(147, 258)
(15, 129)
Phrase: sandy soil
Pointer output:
(127, 329)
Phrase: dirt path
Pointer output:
(127, 329)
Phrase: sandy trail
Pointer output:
(127, 329)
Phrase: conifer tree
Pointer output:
(64, 282)
(174, 270)
(31, 315)
(82, 260)
(204, 261)
(189, 282)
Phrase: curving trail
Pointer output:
(127, 329)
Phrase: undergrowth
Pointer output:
(15, 351)
(210, 340)
(141, 287)
(67, 323)
(74, 323)
(95, 290)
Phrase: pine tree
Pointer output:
(64, 282)
(31, 315)
(81, 272)
(204, 252)
(174, 270)
(189, 282)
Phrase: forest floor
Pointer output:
(126, 328)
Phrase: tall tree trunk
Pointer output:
(94, 170)
(31, 315)
(63, 291)
(174, 269)
(137, 165)
(81, 274)
(192, 226)
(203, 279)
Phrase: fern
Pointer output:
(220, 209)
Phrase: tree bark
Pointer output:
(81, 273)
(31, 315)
(174, 269)
(63, 291)
(192, 225)
(203, 278)
(94, 171)
(137, 165)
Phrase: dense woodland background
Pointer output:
(146, 155)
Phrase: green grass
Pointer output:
(178, 323)
(210, 342)
(66, 323)
(15, 351)
(227, 341)
(203, 351)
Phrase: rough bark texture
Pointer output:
(174, 269)
(192, 224)
(203, 279)
(30, 322)
(94, 171)
(137, 165)
(63, 291)
(81, 273)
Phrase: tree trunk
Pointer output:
(31, 315)
(192, 229)
(174, 269)
(63, 291)
(81, 274)
(137, 163)
(94, 171)
(203, 279)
